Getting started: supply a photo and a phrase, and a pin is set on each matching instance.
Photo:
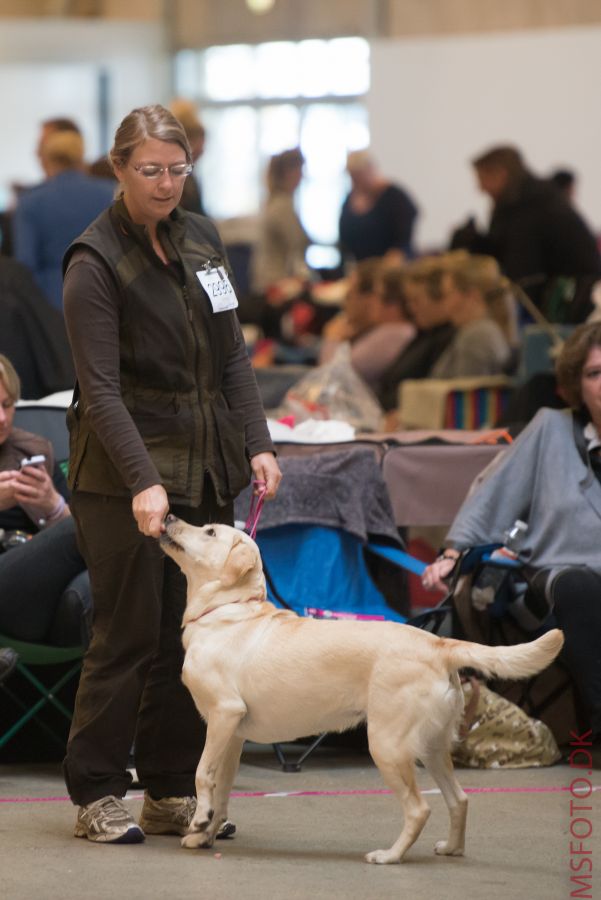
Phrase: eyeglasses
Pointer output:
(153, 171)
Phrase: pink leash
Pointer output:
(256, 505)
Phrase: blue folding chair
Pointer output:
(292, 554)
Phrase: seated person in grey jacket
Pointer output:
(551, 479)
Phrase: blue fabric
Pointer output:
(317, 567)
(49, 217)
(402, 559)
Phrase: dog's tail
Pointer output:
(517, 661)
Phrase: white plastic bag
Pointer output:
(334, 391)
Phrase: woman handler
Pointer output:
(167, 416)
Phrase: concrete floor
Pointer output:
(306, 847)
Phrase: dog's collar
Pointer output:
(211, 609)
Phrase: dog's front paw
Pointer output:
(382, 857)
(196, 839)
(443, 848)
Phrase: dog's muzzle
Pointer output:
(165, 538)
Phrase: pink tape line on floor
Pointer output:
(553, 789)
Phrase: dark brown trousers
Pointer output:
(130, 691)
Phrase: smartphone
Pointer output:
(38, 460)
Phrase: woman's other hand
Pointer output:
(265, 468)
(34, 488)
(150, 508)
(8, 488)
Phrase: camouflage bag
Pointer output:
(495, 733)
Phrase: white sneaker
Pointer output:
(108, 821)
(172, 815)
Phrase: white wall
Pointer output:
(435, 103)
(51, 68)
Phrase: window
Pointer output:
(259, 100)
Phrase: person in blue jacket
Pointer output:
(49, 216)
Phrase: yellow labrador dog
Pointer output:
(264, 674)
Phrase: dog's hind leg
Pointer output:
(221, 728)
(398, 771)
(440, 766)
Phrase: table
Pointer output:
(428, 473)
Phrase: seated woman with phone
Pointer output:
(41, 569)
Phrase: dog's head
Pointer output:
(221, 563)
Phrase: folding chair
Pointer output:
(33, 667)
(331, 515)
(549, 696)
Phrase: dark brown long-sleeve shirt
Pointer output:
(93, 315)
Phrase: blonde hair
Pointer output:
(142, 124)
(186, 112)
(358, 160)
(427, 272)
(64, 149)
(482, 273)
(9, 378)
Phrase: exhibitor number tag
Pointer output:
(218, 288)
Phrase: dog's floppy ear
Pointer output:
(240, 560)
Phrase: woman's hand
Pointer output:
(434, 574)
(34, 488)
(7, 489)
(150, 508)
(265, 468)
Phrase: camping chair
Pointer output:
(346, 588)
(332, 516)
(550, 695)
(36, 666)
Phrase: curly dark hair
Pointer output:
(572, 358)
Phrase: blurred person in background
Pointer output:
(374, 320)
(279, 254)
(101, 168)
(565, 180)
(48, 217)
(187, 113)
(377, 217)
(279, 274)
(534, 233)
(32, 333)
(47, 127)
(477, 301)
(422, 281)
(52, 126)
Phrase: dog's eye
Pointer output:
(210, 532)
